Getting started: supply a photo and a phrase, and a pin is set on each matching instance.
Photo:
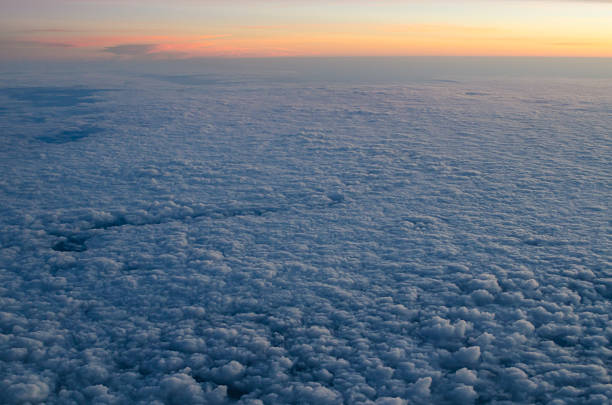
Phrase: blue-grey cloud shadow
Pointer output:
(70, 135)
(52, 96)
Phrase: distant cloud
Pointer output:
(35, 43)
(131, 49)
(145, 51)
(50, 44)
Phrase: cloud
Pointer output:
(131, 49)
(36, 44)
(146, 51)
(275, 238)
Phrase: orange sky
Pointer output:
(123, 29)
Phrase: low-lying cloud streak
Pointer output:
(131, 49)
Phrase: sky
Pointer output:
(162, 29)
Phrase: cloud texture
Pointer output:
(226, 238)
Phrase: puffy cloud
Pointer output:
(232, 239)
(24, 389)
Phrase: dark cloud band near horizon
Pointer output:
(130, 49)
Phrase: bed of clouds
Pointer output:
(210, 239)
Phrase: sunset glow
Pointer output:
(107, 29)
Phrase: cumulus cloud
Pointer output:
(242, 239)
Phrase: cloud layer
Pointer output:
(221, 237)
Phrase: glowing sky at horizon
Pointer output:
(107, 29)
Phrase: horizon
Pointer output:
(345, 69)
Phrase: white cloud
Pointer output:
(255, 241)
